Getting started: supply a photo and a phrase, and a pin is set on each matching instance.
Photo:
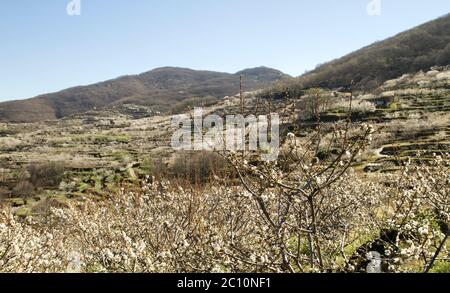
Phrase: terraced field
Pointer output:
(416, 125)
(101, 150)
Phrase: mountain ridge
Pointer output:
(159, 88)
(419, 48)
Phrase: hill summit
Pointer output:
(159, 88)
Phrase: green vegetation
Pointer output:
(411, 51)
(441, 267)
(185, 105)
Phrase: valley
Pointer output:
(99, 151)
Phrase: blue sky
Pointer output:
(43, 49)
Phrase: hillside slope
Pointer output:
(417, 49)
(159, 88)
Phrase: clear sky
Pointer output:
(43, 49)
